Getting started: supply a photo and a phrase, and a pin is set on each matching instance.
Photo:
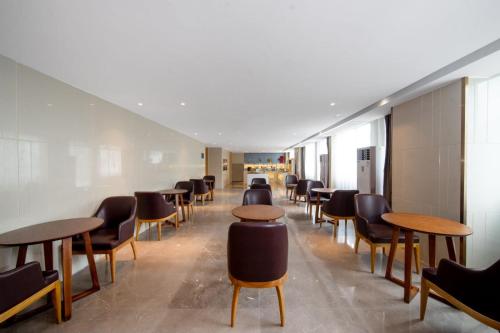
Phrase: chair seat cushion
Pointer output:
(382, 233)
(102, 239)
(50, 276)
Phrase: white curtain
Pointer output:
(344, 149)
(310, 160)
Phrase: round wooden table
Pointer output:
(430, 225)
(178, 192)
(319, 191)
(210, 183)
(258, 213)
(46, 233)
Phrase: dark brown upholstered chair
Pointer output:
(261, 187)
(153, 208)
(210, 185)
(200, 190)
(290, 180)
(117, 231)
(257, 257)
(258, 181)
(475, 292)
(374, 230)
(339, 207)
(22, 286)
(186, 197)
(311, 197)
(301, 189)
(257, 197)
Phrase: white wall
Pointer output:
(214, 166)
(482, 176)
(426, 158)
(62, 151)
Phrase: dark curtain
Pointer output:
(329, 159)
(388, 155)
(302, 162)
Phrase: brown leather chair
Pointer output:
(339, 207)
(301, 189)
(22, 286)
(187, 198)
(116, 232)
(153, 208)
(261, 187)
(312, 197)
(257, 197)
(374, 230)
(200, 190)
(258, 181)
(475, 292)
(289, 181)
(210, 184)
(257, 257)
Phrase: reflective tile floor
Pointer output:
(180, 284)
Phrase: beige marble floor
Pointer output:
(180, 284)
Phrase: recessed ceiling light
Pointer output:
(91, 104)
(49, 105)
(332, 104)
(294, 133)
(183, 103)
(384, 101)
(140, 104)
(219, 134)
(195, 134)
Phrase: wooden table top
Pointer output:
(427, 224)
(258, 212)
(323, 190)
(173, 191)
(49, 231)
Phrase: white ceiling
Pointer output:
(262, 73)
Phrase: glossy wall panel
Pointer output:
(62, 151)
(426, 157)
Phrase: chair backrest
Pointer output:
(152, 205)
(302, 186)
(199, 186)
(258, 251)
(291, 179)
(314, 184)
(209, 177)
(20, 283)
(258, 181)
(257, 197)
(114, 210)
(186, 185)
(341, 203)
(369, 208)
(261, 187)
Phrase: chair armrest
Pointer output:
(126, 229)
(18, 284)
(361, 225)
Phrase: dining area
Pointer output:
(110, 229)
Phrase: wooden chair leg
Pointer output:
(416, 252)
(112, 257)
(149, 226)
(373, 253)
(137, 230)
(56, 301)
(134, 250)
(335, 227)
(202, 200)
(383, 250)
(320, 219)
(424, 294)
(158, 226)
(281, 301)
(356, 244)
(234, 305)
